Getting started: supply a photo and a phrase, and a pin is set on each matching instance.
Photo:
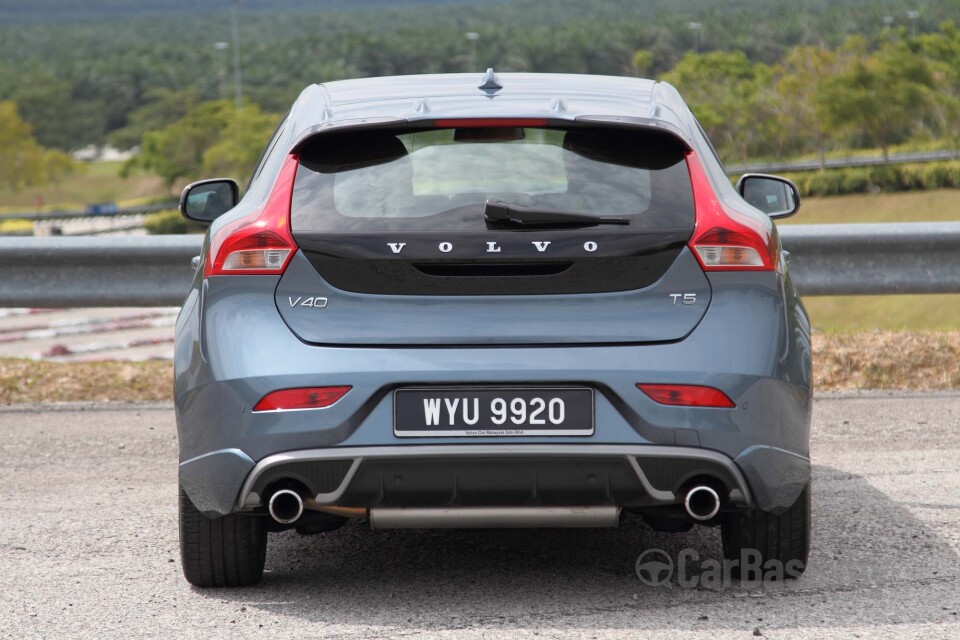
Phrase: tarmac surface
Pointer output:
(88, 548)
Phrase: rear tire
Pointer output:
(783, 538)
(228, 551)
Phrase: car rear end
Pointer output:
(493, 322)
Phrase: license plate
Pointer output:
(488, 411)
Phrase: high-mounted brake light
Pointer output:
(465, 123)
(260, 243)
(304, 398)
(725, 240)
(687, 395)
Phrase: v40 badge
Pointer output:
(315, 302)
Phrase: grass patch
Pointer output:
(886, 178)
(170, 222)
(24, 381)
(888, 360)
(938, 205)
(858, 314)
(95, 182)
(928, 361)
(16, 226)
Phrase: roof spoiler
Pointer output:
(392, 122)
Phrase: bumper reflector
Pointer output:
(305, 398)
(687, 395)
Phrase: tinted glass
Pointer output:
(211, 200)
(440, 179)
(770, 196)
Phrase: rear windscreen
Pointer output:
(440, 179)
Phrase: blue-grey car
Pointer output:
(500, 300)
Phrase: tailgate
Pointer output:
(398, 244)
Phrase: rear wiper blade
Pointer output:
(499, 211)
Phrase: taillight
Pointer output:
(260, 243)
(687, 395)
(303, 398)
(726, 240)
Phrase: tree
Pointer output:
(641, 62)
(163, 107)
(237, 151)
(23, 162)
(943, 49)
(732, 98)
(213, 137)
(176, 151)
(800, 82)
(883, 96)
(58, 118)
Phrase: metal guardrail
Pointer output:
(102, 271)
(865, 259)
(840, 259)
(843, 163)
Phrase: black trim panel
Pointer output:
(486, 481)
(363, 263)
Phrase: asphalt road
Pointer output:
(88, 549)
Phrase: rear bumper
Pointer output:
(496, 475)
(753, 344)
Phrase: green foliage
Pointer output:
(236, 153)
(177, 151)
(887, 178)
(642, 62)
(81, 70)
(774, 79)
(161, 107)
(170, 222)
(859, 95)
(943, 51)
(211, 138)
(801, 118)
(23, 162)
(59, 118)
(731, 97)
(883, 96)
(16, 227)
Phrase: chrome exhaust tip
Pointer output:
(701, 503)
(285, 506)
